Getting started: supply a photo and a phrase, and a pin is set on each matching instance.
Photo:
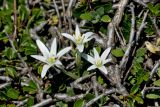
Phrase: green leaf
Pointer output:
(100, 11)
(152, 96)
(23, 13)
(61, 104)
(98, 48)
(70, 91)
(158, 72)
(130, 103)
(139, 100)
(12, 93)
(100, 80)
(140, 52)
(10, 71)
(139, 59)
(11, 105)
(30, 101)
(89, 96)
(9, 53)
(105, 18)
(134, 89)
(157, 83)
(79, 103)
(118, 52)
(3, 96)
(3, 105)
(29, 89)
(32, 84)
(86, 16)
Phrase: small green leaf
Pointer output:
(100, 80)
(140, 52)
(118, 52)
(3, 105)
(157, 83)
(105, 18)
(32, 84)
(11, 105)
(139, 60)
(89, 96)
(61, 104)
(158, 72)
(70, 91)
(30, 101)
(134, 89)
(100, 11)
(10, 71)
(86, 16)
(9, 53)
(79, 103)
(139, 100)
(152, 96)
(12, 93)
(29, 89)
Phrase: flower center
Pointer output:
(98, 63)
(79, 40)
(51, 59)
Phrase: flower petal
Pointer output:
(88, 34)
(42, 48)
(53, 50)
(105, 53)
(96, 54)
(106, 61)
(87, 39)
(58, 63)
(80, 47)
(69, 37)
(77, 32)
(40, 58)
(103, 69)
(91, 67)
(44, 70)
(63, 51)
(88, 58)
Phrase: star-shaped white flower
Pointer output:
(51, 58)
(98, 61)
(79, 39)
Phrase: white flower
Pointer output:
(51, 58)
(79, 39)
(98, 61)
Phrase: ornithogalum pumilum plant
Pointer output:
(50, 58)
(78, 38)
(98, 61)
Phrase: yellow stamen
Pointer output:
(98, 63)
(51, 60)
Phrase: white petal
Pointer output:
(106, 61)
(88, 34)
(69, 37)
(42, 48)
(91, 67)
(58, 63)
(40, 58)
(80, 47)
(105, 53)
(96, 54)
(63, 51)
(44, 70)
(77, 33)
(88, 58)
(87, 39)
(103, 69)
(54, 47)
